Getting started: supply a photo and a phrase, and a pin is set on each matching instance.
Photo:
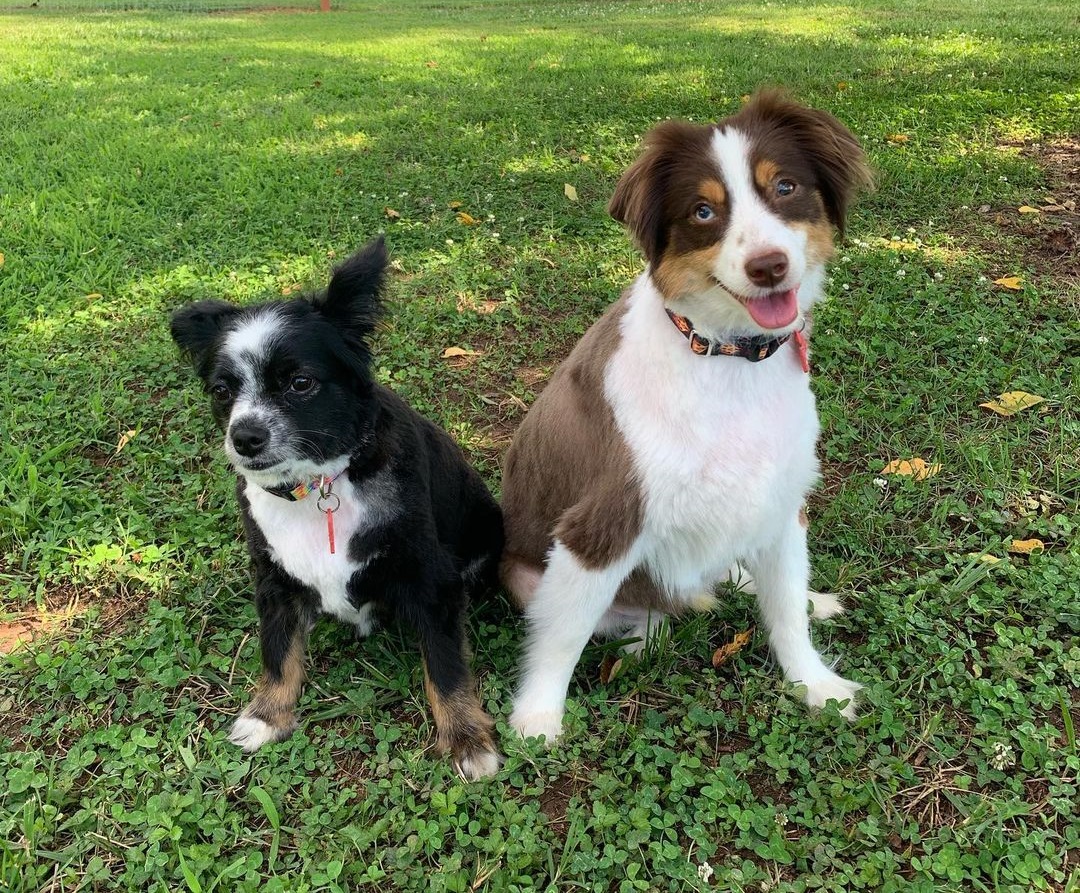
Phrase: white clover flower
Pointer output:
(982, 339)
(1003, 756)
(881, 483)
(900, 274)
(938, 276)
(705, 872)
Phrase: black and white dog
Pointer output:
(350, 499)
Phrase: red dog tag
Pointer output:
(802, 348)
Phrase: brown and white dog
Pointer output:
(678, 437)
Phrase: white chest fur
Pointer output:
(299, 543)
(724, 448)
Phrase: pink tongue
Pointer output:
(775, 310)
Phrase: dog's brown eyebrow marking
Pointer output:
(713, 192)
(765, 172)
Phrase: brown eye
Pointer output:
(785, 187)
(301, 384)
(221, 393)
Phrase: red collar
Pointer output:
(753, 348)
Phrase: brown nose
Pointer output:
(767, 269)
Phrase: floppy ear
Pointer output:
(639, 198)
(197, 327)
(839, 161)
(841, 165)
(353, 300)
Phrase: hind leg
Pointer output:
(644, 624)
(823, 605)
(520, 578)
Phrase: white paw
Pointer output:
(533, 725)
(824, 605)
(833, 688)
(480, 764)
(251, 733)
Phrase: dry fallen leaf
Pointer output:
(842, 85)
(725, 652)
(466, 219)
(1012, 283)
(985, 557)
(94, 295)
(391, 213)
(609, 668)
(915, 468)
(1053, 207)
(458, 352)
(570, 192)
(1026, 547)
(1027, 209)
(1011, 402)
(455, 205)
(125, 439)
(1, 258)
(897, 138)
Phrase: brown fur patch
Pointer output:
(688, 273)
(275, 699)
(765, 171)
(811, 147)
(569, 473)
(819, 239)
(463, 727)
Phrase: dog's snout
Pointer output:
(249, 438)
(767, 269)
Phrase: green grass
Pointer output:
(152, 158)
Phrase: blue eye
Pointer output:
(785, 187)
(704, 213)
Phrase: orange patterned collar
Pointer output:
(754, 348)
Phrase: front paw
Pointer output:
(833, 688)
(533, 724)
(250, 733)
(479, 763)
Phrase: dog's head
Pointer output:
(290, 381)
(736, 219)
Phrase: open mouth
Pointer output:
(771, 311)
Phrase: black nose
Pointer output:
(767, 269)
(249, 438)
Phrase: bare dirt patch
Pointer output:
(1048, 229)
(556, 798)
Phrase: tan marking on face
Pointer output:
(569, 472)
(713, 192)
(819, 239)
(765, 171)
(690, 273)
(275, 700)
(462, 726)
